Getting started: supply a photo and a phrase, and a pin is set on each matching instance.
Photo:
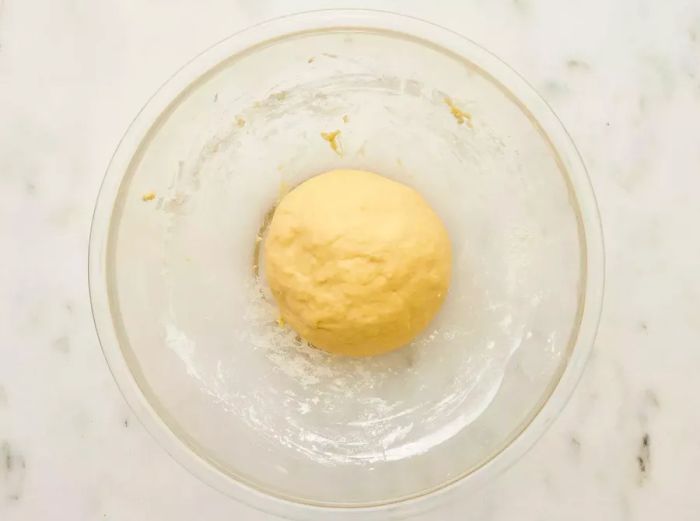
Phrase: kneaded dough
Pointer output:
(358, 264)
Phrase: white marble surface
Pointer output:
(624, 77)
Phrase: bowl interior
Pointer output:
(197, 326)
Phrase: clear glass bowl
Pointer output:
(188, 327)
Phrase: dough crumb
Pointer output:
(332, 138)
(148, 196)
(240, 122)
(280, 321)
(310, 60)
(460, 115)
(346, 118)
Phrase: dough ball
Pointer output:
(357, 263)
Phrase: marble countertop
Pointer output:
(624, 77)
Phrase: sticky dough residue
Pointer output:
(332, 138)
(460, 115)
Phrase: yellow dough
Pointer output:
(357, 263)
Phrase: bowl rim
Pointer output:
(590, 230)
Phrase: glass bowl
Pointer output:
(188, 326)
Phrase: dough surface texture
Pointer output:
(358, 264)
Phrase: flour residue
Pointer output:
(364, 410)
